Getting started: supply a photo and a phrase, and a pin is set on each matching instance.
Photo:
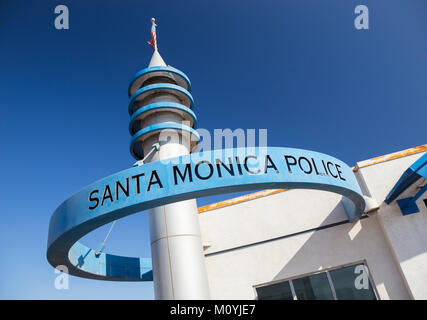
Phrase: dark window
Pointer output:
(351, 283)
(158, 79)
(315, 287)
(277, 291)
(345, 283)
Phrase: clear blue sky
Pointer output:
(298, 68)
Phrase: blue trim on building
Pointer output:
(157, 69)
(162, 105)
(160, 86)
(411, 175)
(159, 127)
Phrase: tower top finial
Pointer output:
(156, 59)
(153, 40)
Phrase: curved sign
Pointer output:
(187, 177)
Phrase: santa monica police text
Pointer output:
(233, 167)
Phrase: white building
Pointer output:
(298, 243)
(287, 244)
(279, 244)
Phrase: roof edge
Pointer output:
(244, 198)
(267, 192)
(390, 156)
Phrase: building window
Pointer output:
(314, 287)
(277, 291)
(343, 283)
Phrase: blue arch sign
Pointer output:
(187, 177)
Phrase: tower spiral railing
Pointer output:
(155, 91)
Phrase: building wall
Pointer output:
(406, 235)
(296, 232)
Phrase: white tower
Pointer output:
(162, 123)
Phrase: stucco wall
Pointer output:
(406, 235)
(236, 261)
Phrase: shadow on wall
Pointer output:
(347, 243)
(408, 231)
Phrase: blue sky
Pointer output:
(297, 68)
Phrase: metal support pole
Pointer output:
(178, 261)
(179, 270)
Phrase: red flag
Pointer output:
(153, 40)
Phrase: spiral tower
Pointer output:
(162, 120)
(160, 99)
